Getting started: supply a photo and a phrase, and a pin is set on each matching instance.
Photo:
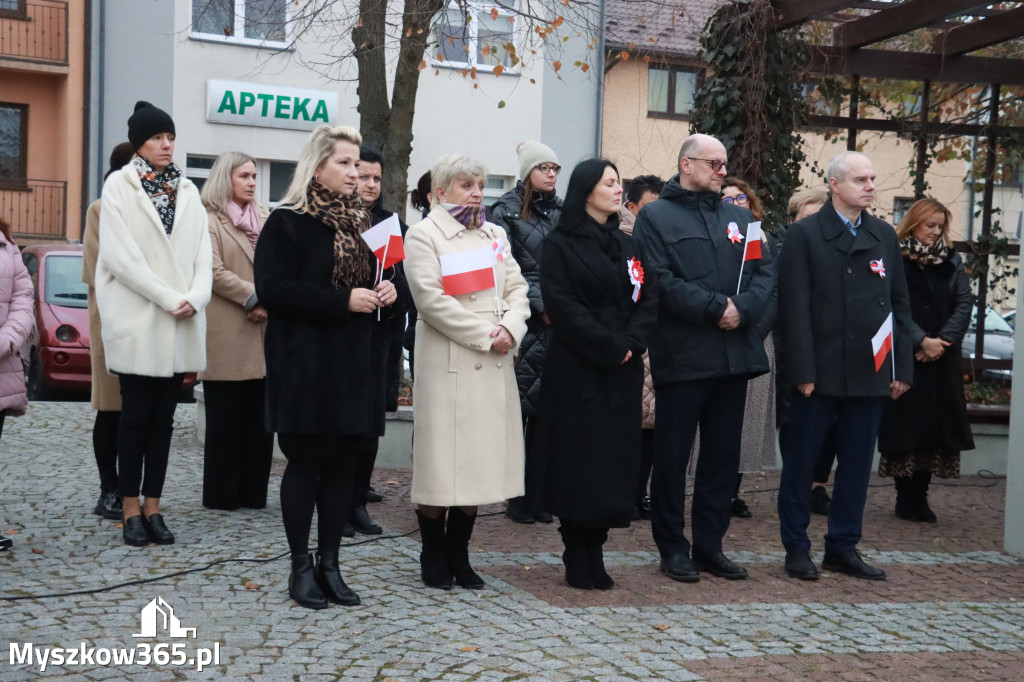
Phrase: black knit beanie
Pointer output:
(146, 122)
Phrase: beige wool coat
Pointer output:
(106, 388)
(234, 345)
(468, 429)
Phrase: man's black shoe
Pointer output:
(718, 564)
(373, 496)
(800, 566)
(851, 563)
(679, 567)
(740, 510)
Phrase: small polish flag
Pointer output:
(881, 342)
(385, 240)
(468, 271)
(752, 246)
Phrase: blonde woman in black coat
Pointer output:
(601, 312)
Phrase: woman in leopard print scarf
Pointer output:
(326, 344)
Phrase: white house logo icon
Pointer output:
(151, 615)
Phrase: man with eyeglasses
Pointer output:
(705, 349)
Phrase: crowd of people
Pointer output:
(540, 333)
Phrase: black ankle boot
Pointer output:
(575, 558)
(109, 505)
(433, 558)
(906, 500)
(328, 577)
(596, 537)
(302, 585)
(456, 542)
(921, 481)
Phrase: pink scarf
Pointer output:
(245, 219)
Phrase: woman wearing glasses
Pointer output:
(736, 191)
(528, 214)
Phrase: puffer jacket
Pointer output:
(525, 238)
(16, 321)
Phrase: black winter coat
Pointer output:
(932, 415)
(526, 238)
(396, 364)
(831, 303)
(696, 268)
(325, 364)
(591, 401)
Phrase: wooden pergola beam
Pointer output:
(903, 18)
(792, 12)
(896, 125)
(917, 66)
(979, 34)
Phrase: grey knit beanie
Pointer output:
(531, 155)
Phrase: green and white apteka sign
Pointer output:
(268, 106)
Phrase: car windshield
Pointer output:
(993, 322)
(64, 285)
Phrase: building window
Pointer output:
(13, 144)
(495, 186)
(13, 9)
(671, 91)
(280, 177)
(197, 168)
(247, 22)
(900, 206)
(476, 35)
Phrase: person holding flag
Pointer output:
(844, 313)
(473, 307)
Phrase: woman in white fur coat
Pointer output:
(153, 280)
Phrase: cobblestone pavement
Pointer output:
(952, 608)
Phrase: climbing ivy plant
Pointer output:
(752, 100)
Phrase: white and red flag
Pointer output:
(881, 342)
(385, 240)
(752, 246)
(467, 271)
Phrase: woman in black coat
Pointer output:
(601, 313)
(529, 212)
(326, 351)
(924, 431)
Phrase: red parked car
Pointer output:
(56, 354)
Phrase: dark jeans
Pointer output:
(365, 461)
(104, 446)
(144, 439)
(717, 406)
(238, 451)
(318, 477)
(856, 422)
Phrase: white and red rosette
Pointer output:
(636, 276)
(878, 267)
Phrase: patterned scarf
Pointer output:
(469, 215)
(245, 219)
(924, 255)
(161, 188)
(347, 217)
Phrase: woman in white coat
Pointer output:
(153, 279)
(473, 306)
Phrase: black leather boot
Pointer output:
(596, 537)
(433, 559)
(921, 481)
(328, 577)
(109, 505)
(906, 500)
(577, 563)
(302, 585)
(360, 520)
(456, 542)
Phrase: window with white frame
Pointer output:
(246, 22)
(495, 186)
(478, 35)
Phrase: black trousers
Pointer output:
(238, 451)
(318, 478)
(104, 446)
(2, 415)
(532, 501)
(646, 462)
(366, 458)
(716, 405)
(144, 439)
(823, 467)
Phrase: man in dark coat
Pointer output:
(705, 348)
(370, 170)
(528, 213)
(840, 277)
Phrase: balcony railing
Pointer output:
(35, 208)
(38, 33)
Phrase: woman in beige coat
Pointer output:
(468, 439)
(238, 449)
(106, 389)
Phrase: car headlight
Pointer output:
(66, 333)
